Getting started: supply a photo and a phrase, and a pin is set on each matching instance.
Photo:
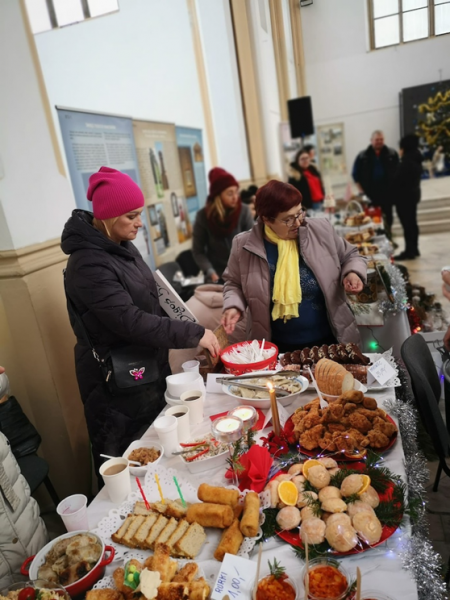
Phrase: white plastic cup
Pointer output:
(191, 366)
(73, 512)
(181, 413)
(118, 485)
(194, 399)
(167, 429)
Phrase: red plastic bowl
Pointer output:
(85, 583)
(239, 369)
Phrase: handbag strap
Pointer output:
(79, 320)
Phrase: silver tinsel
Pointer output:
(418, 555)
(398, 286)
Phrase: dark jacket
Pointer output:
(406, 183)
(115, 293)
(299, 181)
(210, 251)
(379, 191)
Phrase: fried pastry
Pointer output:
(313, 530)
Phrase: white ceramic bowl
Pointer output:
(184, 382)
(263, 403)
(141, 471)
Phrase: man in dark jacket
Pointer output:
(373, 172)
(115, 294)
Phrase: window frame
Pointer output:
(86, 16)
(431, 24)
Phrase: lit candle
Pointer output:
(227, 429)
(274, 408)
(247, 414)
(227, 425)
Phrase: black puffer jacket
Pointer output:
(406, 183)
(299, 181)
(115, 293)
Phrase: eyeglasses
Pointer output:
(291, 220)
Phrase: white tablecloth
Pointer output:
(381, 567)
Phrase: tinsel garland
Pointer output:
(398, 286)
(418, 555)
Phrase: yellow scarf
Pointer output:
(287, 293)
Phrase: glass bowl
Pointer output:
(56, 591)
(324, 564)
(273, 595)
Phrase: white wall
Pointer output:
(216, 31)
(349, 84)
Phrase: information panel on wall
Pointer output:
(162, 185)
(192, 162)
(92, 141)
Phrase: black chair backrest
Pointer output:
(21, 433)
(187, 263)
(169, 269)
(427, 390)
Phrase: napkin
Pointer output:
(256, 427)
(256, 465)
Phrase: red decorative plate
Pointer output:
(338, 456)
(293, 537)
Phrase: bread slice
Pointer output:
(161, 522)
(117, 537)
(139, 509)
(183, 526)
(176, 509)
(159, 507)
(167, 531)
(332, 378)
(129, 534)
(141, 534)
(190, 543)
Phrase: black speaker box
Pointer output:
(300, 117)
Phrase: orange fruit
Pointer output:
(356, 454)
(365, 485)
(308, 464)
(287, 490)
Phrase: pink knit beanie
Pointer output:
(113, 194)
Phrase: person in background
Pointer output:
(373, 172)
(223, 217)
(311, 150)
(248, 197)
(406, 194)
(446, 292)
(306, 178)
(291, 274)
(22, 531)
(115, 295)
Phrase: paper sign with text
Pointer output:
(236, 578)
(170, 301)
(380, 371)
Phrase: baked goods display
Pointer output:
(158, 577)
(71, 558)
(338, 510)
(332, 378)
(357, 220)
(350, 425)
(360, 236)
(367, 249)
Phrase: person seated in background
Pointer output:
(306, 178)
(291, 274)
(207, 305)
(248, 197)
(22, 531)
(223, 217)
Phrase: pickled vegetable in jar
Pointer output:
(272, 588)
(327, 582)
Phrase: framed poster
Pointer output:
(331, 151)
(192, 165)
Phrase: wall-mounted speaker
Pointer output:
(300, 117)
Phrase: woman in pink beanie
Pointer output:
(113, 291)
(223, 217)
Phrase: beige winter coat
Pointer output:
(22, 531)
(331, 258)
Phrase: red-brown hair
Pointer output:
(276, 197)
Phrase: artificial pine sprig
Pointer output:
(276, 570)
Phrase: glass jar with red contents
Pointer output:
(328, 580)
(372, 595)
(276, 588)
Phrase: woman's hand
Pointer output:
(214, 277)
(210, 342)
(352, 283)
(229, 319)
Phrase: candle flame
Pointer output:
(270, 385)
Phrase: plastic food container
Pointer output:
(239, 369)
(141, 471)
(184, 382)
(273, 593)
(322, 579)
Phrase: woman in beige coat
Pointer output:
(292, 274)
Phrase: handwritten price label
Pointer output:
(381, 371)
(235, 579)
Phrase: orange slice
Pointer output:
(308, 464)
(287, 490)
(356, 454)
(365, 485)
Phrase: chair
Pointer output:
(168, 270)
(25, 441)
(426, 387)
(187, 263)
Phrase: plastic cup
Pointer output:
(117, 484)
(73, 512)
(191, 365)
(181, 413)
(194, 399)
(167, 429)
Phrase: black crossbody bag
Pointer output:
(126, 369)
